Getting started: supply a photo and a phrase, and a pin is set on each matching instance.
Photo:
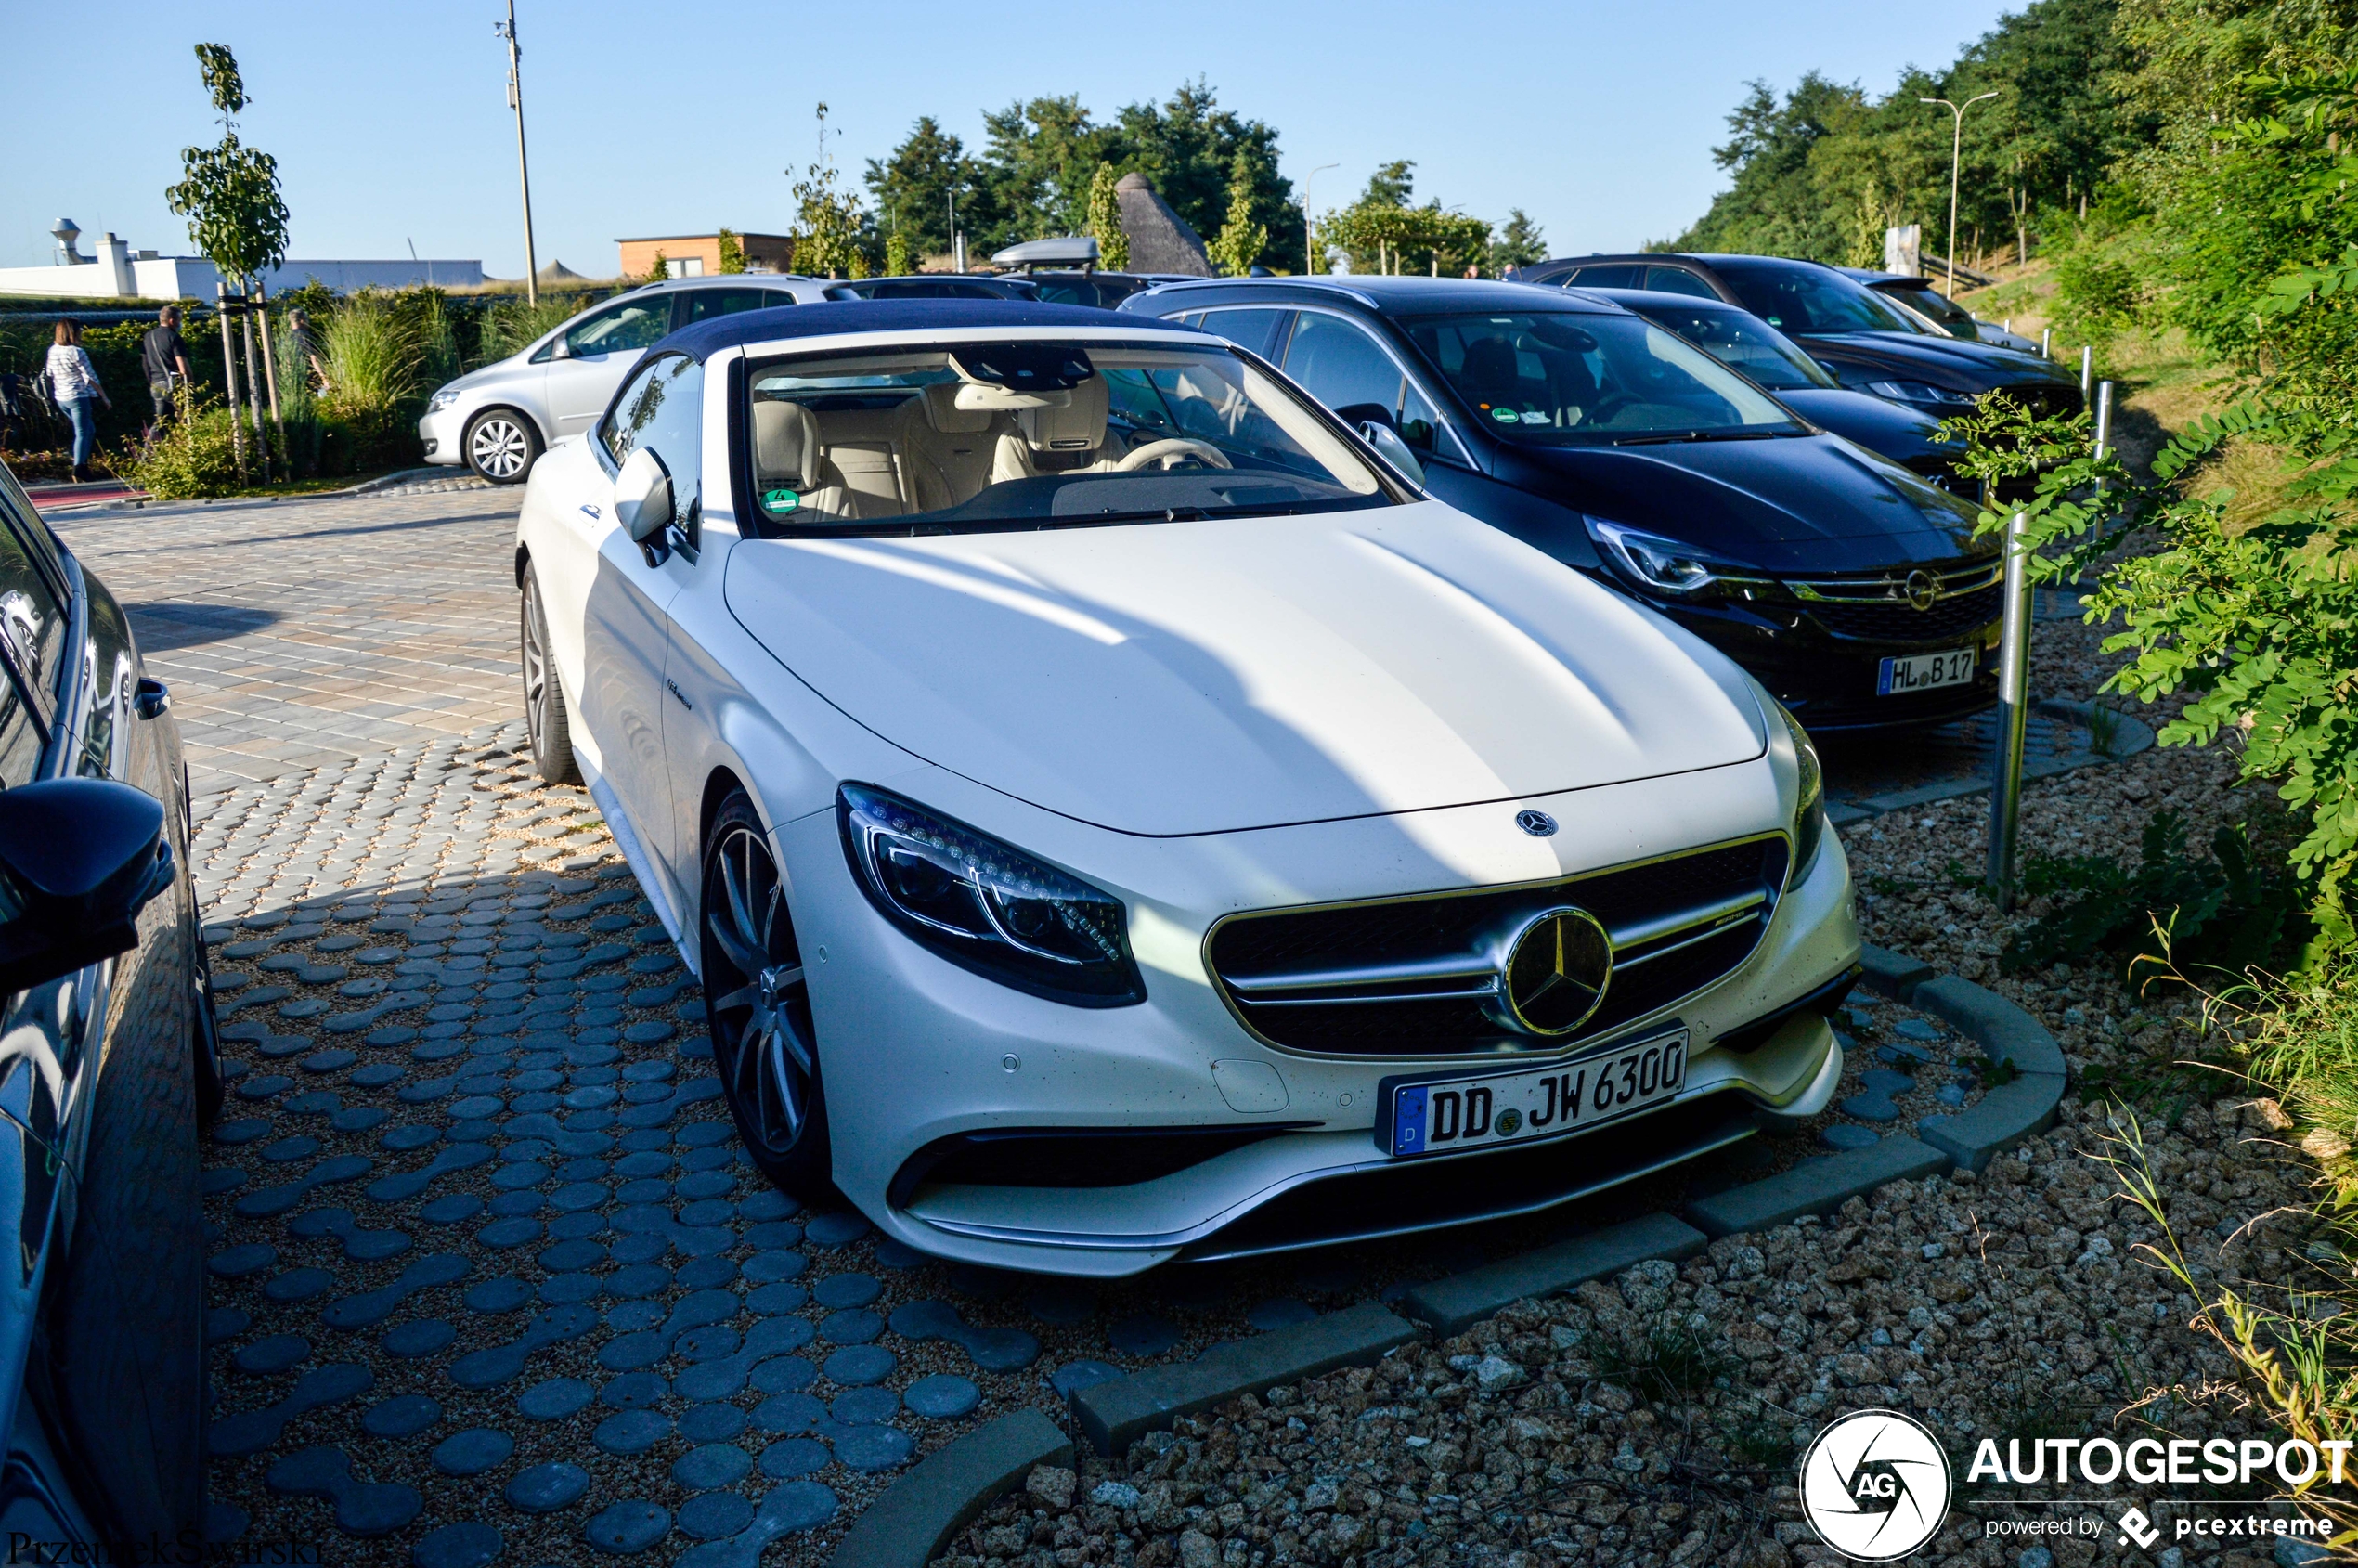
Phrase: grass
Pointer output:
(1668, 1361)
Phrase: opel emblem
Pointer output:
(1540, 824)
(1555, 973)
(1922, 590)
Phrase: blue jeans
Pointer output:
(85, 427)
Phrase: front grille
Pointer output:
(1411, 977)
(1902, 622)
(2047, 400)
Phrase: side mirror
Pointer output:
(642, 495)
(1386, 441)
(79, 859)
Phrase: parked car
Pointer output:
(1855, 591)
(1115, 818)
(108, 1061)
(497, 420)
(1846, 327)
(1774, 362)
(936, 286)
(1924, 296)
(1066, 271)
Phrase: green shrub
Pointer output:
(194, 456)
(508, 325)
(2096, 297)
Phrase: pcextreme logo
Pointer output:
(1875, 1485)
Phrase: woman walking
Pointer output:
(73, 381)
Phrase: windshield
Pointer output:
(1589, 380)
(1740, 343)
(1001, 435)
(1946, 313)
(1796, 297)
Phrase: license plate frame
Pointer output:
(1411, 1107)
(1903, 675)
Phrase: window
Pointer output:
(1607, 278)
(631, 325)
(661, 410)
(33, 617)
(1258, 329)
(1742, 343)
(705, 303)
(1678, 280)
(1340, 365)
(989, 435)
(1797, 297)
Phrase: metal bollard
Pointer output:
(2046, 342)
(2087, 373)
(2014, 712)
(2104, 417)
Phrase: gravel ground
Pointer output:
(1656, 1420)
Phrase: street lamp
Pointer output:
(507, 30)
(1956, 146)
(1309, 239)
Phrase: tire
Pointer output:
(757, 1006)
(501, 445)
(544, 698)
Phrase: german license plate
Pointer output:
(1897, 678)
(1485, 1110)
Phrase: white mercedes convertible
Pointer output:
(1115, 816)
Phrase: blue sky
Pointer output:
(390, 127)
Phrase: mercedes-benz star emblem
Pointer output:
(1555, 973)
(1540, 824)
(1922, 590)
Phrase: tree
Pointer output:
(830, 231)
(230, 192)
(1105, 221)
(733, 251)
(896, 255)
(1519, 242)
(913, 188)
(661, 269)
(1241, 241)
(1390, 185)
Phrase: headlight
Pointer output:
(442, 400)
(987, 906)
(1652, 560)
(1923, 393)
(1810, 810)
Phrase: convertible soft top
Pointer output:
(707, 338)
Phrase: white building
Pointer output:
(119, 273)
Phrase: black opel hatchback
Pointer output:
(1854, 591)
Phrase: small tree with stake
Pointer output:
(229, 194)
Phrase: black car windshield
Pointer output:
(1798, 297)
(1740, 343)
(987, 435)
(1590, 380)
(1944, 313)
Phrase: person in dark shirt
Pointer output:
(165, 357)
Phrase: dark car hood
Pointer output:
(1942, 361)
(1898, 432)
(1804, 504)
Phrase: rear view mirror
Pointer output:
(642, 495)
(1387, 441)
(79, 859)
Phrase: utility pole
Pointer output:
(1956, 150)
(1309, 230)
(507, 30)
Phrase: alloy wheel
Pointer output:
(760, 1003)
(536, 669)
(499, 449)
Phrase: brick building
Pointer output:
(698, 255)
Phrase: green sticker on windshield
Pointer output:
(781, 501)
(1505, 416)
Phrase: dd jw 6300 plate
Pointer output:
(1421, 1116)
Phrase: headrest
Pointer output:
(786, 442)
(1078, 426)
(945, 414)
(983, 397)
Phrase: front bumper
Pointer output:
(1829, 681)
(443, 435)
(915, 1053)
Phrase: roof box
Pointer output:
(1072, 250)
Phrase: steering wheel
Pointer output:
(1170, 452)
(1609, 407)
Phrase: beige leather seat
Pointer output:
(1069, 437)
(787, 455)
(947, 451)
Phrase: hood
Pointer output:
(1205, 676)
(1876, 423)
(1810, 505)
(1944, 361)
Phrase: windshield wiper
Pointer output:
(1659, 437)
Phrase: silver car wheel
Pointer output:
(499, 449)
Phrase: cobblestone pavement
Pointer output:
(307, 634)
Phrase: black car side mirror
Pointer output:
(79, 859)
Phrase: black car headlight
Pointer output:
(987, 906)
(1924, 394)
(1809, 808)
(1652, 560)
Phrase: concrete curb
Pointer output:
(1113, 1415)
(916, 1518)
(908, 1527)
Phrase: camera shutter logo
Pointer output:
(1875, 1485)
